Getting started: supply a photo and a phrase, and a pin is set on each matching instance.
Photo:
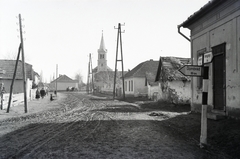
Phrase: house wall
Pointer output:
(17, 86)
(181, 91)
(153, 92)
(140, 89)
(135, 86)
(175, 92)
(129, 85)
(220, 26)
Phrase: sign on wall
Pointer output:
(191, 70)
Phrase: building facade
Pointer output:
(215, 28)
(174, 87)
(136, 81)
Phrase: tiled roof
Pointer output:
(202, 11)
(151, 78)
(64, 78)
(141, 69)
(168, 68)
(9, 66)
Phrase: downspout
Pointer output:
(179, 26)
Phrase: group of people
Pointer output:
(42, 93)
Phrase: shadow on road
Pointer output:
(175, 137)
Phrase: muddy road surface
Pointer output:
(85, 126)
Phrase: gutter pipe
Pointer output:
(179, 26)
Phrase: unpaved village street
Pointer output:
(86, 126)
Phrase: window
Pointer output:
(129, 86)
(125, 86)
(132, 85)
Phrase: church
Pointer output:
(102, 58)
(103, 76)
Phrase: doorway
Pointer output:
(219, 77)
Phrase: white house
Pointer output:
(136, 81)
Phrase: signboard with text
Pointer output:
(191, 70)
(207, 58)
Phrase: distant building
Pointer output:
(137, 80)
(102, 74)
(62, 83)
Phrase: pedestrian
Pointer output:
(51, 97)
(37, 94)
(42, 93)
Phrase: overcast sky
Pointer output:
(64, 32)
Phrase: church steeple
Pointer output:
(102, 44)
(102, 56)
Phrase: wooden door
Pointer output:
(219, 77)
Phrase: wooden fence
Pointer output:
(16, 98)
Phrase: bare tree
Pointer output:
(79, 77)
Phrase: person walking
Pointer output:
(42, 93)
(37, 94)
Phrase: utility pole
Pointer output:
(90, 73)
(23, 66)
(119, 39)
(56, 79)
(14, 75)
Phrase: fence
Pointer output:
(16, 98)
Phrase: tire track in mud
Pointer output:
(37, 140)
(88, 125)
(85, 113)
(75, 108)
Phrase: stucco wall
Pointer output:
(139, 88)
(220, 26)
(175, 92)
(152, 90)
(182, 90)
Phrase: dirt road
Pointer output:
(83, 126)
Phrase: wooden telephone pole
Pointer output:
(56, 79)
(90, 73)
(21, 48)
(119, 39)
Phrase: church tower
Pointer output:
(102, 57)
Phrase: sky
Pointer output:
(64, 32)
